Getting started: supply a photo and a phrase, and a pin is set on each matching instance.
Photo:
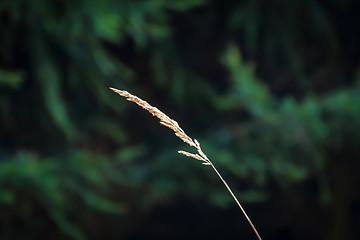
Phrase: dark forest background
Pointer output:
(271, 89)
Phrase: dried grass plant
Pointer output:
(172, 124)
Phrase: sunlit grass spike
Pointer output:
(172, 124)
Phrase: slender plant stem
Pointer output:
(172, 124)
(238, 203)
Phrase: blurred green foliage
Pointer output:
(259, 84)
(28, 183)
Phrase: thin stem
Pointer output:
(238, 203)
(172, 124)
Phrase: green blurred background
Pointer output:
(271, 89)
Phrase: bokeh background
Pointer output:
(271, 89)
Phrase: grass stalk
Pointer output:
(179, 132)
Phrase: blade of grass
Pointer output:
(179, 132)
